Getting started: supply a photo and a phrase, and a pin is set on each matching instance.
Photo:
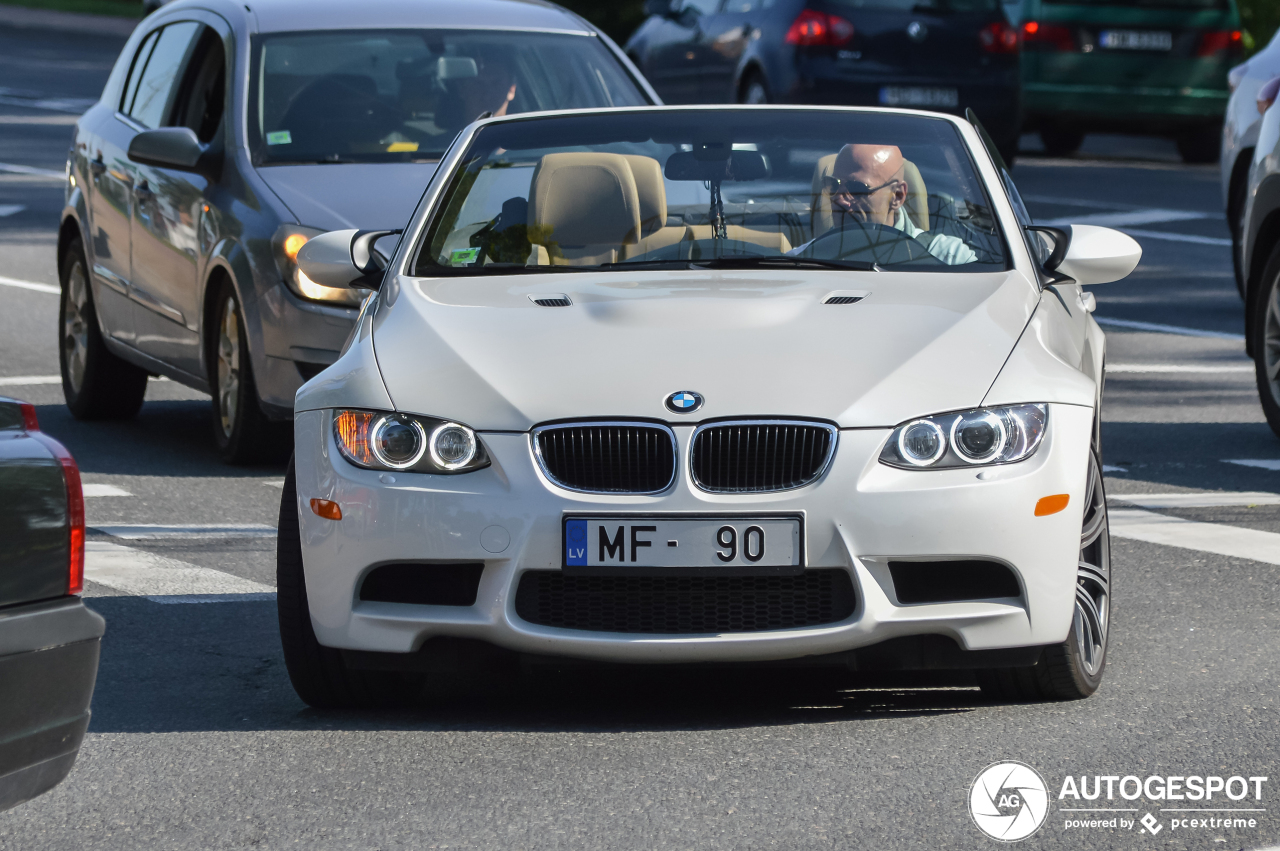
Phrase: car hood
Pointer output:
(372, 196)
(479, 351)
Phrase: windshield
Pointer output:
(731, 188)
(402, 95)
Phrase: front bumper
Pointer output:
(858, 516)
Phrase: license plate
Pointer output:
(1136, 40)
(918, 96)
(716, 543)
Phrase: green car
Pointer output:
(1154, 67)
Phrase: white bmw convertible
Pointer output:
(692, 385)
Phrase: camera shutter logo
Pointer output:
(1008, 801)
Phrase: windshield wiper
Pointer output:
(785, 261)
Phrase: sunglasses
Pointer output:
(836, 186)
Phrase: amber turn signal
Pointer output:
(293, 244)
(1046, 505)
(327, 509)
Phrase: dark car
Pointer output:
(944, 55)
(48, 638)
(227, 135)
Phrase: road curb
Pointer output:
(20, 17)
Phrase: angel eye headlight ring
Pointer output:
(452, 446)
(979, 437)
(398, 442)
(921, 443)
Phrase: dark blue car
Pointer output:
(945, 55)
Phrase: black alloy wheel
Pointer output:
(97, 384)
(319, 674)
(1072, 670)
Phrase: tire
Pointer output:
(1200, 144)
(318, 673)
(1266, 339)
(241, 430)
(753, 90)
(1061, 141)
(1235, 220)
(1072, 670)
(97, 384)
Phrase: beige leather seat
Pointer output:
(652, 192)
(764, 238)
(820, 222)
(583, 209)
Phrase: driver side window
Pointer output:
(148, 96)
(203, 93)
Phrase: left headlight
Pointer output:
(288, 241)
(392, 441)
(968, 438)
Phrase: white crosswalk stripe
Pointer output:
(1221, 539)
(165, 580)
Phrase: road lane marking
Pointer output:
(1133, 217)
(29, 380)
(1107, 468)
(1179, 237)
(103, 490)
(156, 531)
(14, 168)
(1260, 463)
(273, 483)
(165, 580)
(10, 209)
(1179, 368)
(58, 120)
(1233, 541)
(30, 285)
(1168, 329)
(1198, 500)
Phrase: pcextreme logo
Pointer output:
(1010, 801)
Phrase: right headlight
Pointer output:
(288, 241)
(393, 441)
(972, 438)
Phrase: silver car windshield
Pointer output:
(725, 188)
(402, 95)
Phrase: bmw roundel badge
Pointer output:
(684, 402)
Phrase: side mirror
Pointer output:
(1087, 254)
(345, 258)
(168, 147)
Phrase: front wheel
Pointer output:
(241, 430)
(1072, 670)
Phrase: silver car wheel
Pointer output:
(228, 367)
(1093, 577)
(75, 329)
(1271, 341)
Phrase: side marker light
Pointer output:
(330, 510)
(1046, 506)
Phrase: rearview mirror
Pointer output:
(344, 258)
(1087, 254)
(167, 147)
(737, 166)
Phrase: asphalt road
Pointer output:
(198, 741)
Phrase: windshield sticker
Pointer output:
(280, 137)
(401, 147)
(464, 256)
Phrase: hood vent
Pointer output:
(845, 297)
(550, 300)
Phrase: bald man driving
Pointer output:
(867, 184)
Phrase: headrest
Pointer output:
(917, 205)
(651, 191)
(584, 199)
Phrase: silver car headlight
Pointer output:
(973, 438)
(392, 441)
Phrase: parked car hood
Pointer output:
(479, 351)
(373, 196)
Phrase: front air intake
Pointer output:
(685, 605)
(607, 457)
(423, 584)
(760, 455)
(952, 581)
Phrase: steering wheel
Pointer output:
(871, 242)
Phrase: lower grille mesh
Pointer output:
(684, 604)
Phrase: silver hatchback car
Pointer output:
(229, 134)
